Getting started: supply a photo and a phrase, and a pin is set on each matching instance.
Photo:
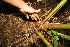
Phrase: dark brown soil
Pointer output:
(17, 31)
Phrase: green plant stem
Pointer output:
(55, 10)
(63, 36)
(44, 40)
(58, 26)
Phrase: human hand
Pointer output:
(30, 12)
(27, 10)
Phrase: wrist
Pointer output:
(22, 5)
(24, 8)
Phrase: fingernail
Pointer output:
(36, 19)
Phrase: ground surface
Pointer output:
(17, 31)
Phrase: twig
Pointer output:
(45, 14)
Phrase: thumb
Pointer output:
(36, 11)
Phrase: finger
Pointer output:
(36, 16)
(27, 16)
(31, 17)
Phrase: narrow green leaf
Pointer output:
(54, 31)
(55, 41)
(49, 33)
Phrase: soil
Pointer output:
(17, 31)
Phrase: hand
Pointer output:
(30, 12)
(27, 10)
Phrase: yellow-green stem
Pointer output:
(58, 26)
(54, 11)
(44, 40)
(63, 36)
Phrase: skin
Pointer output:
(24, 8)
